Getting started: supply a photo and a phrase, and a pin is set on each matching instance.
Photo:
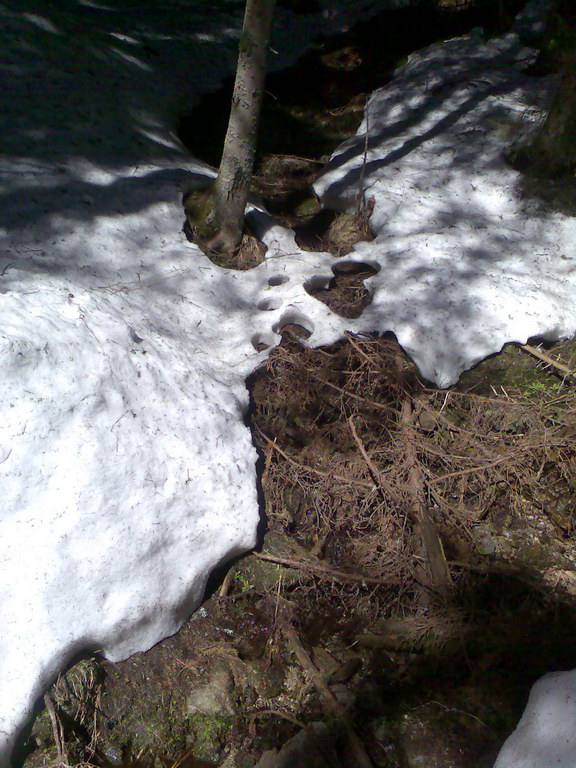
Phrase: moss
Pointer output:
(513, 372)
(247, 44)
(198, 205)
(210, 734)
(265, 575)
(153, 722)
(309, 206)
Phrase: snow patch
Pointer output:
(126, 469)
(546, 733)
(467, 264)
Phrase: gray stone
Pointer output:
(214, 698)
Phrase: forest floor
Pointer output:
(416, 571)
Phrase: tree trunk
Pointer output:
(554, 150)
(233, 182)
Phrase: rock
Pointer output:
(426, 744)
(214, 698)
(312, 748)
(344, 696)
(438, 735)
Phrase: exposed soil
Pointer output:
(346, 294)
(417, 568)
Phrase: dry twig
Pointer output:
(383, 486)
(461, 472)
(308, 468)
(358, 348)
(548, 360)
(278, 713)
(330, 573)
(57, 730)
(371, 403)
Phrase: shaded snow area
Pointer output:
(466, 264)
(127, 473)
(546, 734)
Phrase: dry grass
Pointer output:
(339, 475)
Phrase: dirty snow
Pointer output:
(127, 472)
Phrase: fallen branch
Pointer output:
(298, 157)
(328, 572)
(549, 360)
(308, 666)
(439, 573)
(298, 465)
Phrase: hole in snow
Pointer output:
(348, 267)
(345, 294)
(303, 326)
(317, 283)
(266, 305)
(262, 341)
(278, 280)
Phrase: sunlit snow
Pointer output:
(127, 471)
(467, 263)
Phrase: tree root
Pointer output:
(438, 576)
(358, 756)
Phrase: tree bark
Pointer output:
(233, 183)
(554, 149)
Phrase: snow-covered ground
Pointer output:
(127, 472)
(546, 734)
(466, 264)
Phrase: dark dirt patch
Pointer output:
(309, 108)
(345, 294)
